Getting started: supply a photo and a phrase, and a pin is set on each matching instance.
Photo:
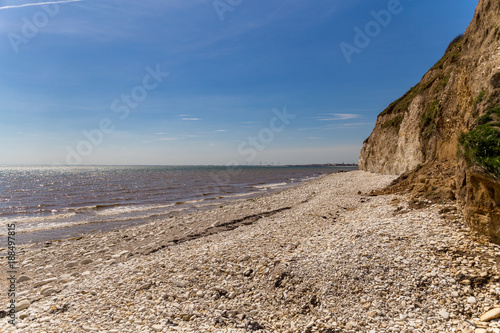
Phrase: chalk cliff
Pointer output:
(443, 135)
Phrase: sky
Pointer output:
(197, 82)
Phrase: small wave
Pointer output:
(82, 209)
(106, 206)
(36, 219)
(51, 226)
(62, 224)
(269, 186)
(140, 208)
(130, 209)
(233, 196)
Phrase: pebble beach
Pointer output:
(325, 256)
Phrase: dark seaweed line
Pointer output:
(227, 226)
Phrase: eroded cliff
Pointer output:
(443, 135)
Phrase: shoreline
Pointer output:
(54, 232)
(42, 236)
(314, 257)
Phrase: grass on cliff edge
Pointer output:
(481, 146)
(439, 80)
(428, 121)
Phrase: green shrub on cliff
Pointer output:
(479, 98)
(428, 121)
(454, 41)
(452, 53)
(481, 146)
(394, 122)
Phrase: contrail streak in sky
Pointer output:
(38, 4)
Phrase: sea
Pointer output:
(57, 202)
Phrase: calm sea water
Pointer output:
(44, 197)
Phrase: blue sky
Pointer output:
(209, 82)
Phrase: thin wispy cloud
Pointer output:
(349, 125)
(338, 116)
(356, 124)
(188, 117)
(37, 4)
(176, 138)
(167, 139)
(221, 131)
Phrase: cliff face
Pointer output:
(443, 132)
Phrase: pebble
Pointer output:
(471, 300)
(24, 304)
(490, 315)
(44, 282)
(23, 278)
(144, 286)
(71, 264)
(444, 314)
(49, 292)
(65, 278)
(350, 325)
(45, 288)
